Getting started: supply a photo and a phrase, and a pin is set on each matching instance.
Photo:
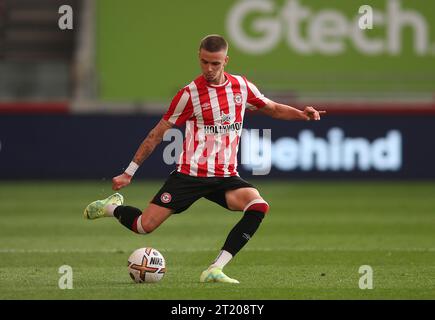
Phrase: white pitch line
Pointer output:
(299, 249)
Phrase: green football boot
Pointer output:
(95, 209)
(215, 274)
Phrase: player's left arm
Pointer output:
(285, 112)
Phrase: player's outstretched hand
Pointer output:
(121, 181)
(312, 114)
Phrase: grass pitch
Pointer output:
(311, 245)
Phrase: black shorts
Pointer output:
(180, 191)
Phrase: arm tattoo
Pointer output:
(147, 146)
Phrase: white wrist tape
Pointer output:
(132, 167)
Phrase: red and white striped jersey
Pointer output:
(213, 115)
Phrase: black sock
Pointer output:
(243, 231)
(127, 216)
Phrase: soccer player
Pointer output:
(212, 107)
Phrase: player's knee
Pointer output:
(266, 207)
(257, 205)
(148, 227)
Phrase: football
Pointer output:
(146, 265)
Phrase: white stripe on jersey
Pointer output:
(232, 135)
(179, 107)
(214, 103)
(189, 144)
(257, 94)
(244, 91)
(199, 132)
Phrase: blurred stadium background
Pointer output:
(75, 104)
(121, 64)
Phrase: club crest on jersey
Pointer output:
(238, 98)
(225, 118)
(166, 197)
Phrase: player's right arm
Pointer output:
(179, 111)
(154, 137)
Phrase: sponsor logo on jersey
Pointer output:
(226, 118)
(221, 129)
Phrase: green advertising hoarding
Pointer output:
(147, 50)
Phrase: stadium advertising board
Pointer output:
(298, 47)
(336, 147)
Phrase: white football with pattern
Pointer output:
(146, 265)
